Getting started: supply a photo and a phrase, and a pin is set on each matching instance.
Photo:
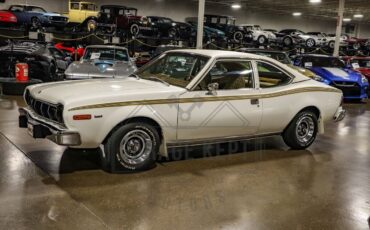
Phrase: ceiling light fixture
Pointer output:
(296, 14)
(358, 16)
(315, 1)
(236, 6)
(347, 19)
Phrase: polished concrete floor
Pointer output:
(258, 184)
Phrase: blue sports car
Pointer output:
(333, 72)
(35, 16)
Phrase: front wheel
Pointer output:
(132, 147)
(262, 40)
(310, 43)
(238, 36)
(91, 26)
(302, 131)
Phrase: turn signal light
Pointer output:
(81, 117)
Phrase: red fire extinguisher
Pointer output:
(21, 72)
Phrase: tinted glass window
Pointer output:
(271, 76)
(214, 20)
(36, 9)
(223, 20)
(16, 8)
(174, 68)
(229, 75)
(90, 7)
(106, 54)
(361, 63)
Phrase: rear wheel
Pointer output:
(172, 33)
(35, 23)
(302, 131)
(262, 40)
(134, 29)
(238, 36)
(132, 147)
(288, 41)
(331, 44)
(91, 26)
(310, 43)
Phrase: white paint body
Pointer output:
(187, 122)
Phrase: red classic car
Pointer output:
(359, 63)
(75, 52)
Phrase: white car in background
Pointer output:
(184, 97)
(260, 36)
(329, 40)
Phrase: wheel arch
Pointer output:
(90, 18)
(142, 119)
(313, 109)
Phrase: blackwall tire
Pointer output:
(132, 147)
(238, 36)
(302, 131)
(288, 41)
(172, 33)
(91, 26)
(331, 44)
(134, 29)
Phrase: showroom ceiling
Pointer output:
(325, 9)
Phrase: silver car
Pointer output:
(100, 61)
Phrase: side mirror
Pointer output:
(212, 89)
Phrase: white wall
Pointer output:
(180, 9)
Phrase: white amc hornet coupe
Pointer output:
(184, 97)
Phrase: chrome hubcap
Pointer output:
(310, 43)
(305, 129)
(135, 147)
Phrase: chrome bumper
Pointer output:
(340, 114)
(40, 127)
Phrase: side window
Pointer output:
(75, 6)
(271, 76)
(229, 75)
(214, 20)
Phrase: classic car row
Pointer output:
(350, 74)
(124, 21)
(183, 97)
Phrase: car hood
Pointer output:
(306, 72)
(337, 74)
(86, 92)
(100, 69)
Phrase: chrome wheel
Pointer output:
(305, 129)
(135, 147)
(261, 40)
(310, 43)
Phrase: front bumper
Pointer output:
(340, 114)
(39, 127)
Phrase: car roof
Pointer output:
(117, 6)
(217, 53)
(261, 50)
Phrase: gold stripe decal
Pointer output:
(204, 99)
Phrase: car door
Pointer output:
(231, 110)
(273, 80)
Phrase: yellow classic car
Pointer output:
(85, 13)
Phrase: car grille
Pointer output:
(46, 110)
(58, 19)
(350, 89)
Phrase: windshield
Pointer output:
(361, 63)
(106, 54)
(174, 68)
(257, 28)
(322, 62)
(281, 57)
(131, 12)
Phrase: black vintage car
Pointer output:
(167, 27)
(45, 63)
(227, 25)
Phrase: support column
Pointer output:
(338, 32)
(200, 24)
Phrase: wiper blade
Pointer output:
(158, 79)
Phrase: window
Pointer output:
(270, 76)
(229, 75)
(36, 9)
(90, 7)
(106, 54)
(75, 6)
(16, 9)
(214, 20)
(174, 68)
(223, 21)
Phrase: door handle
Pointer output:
(255, 101)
